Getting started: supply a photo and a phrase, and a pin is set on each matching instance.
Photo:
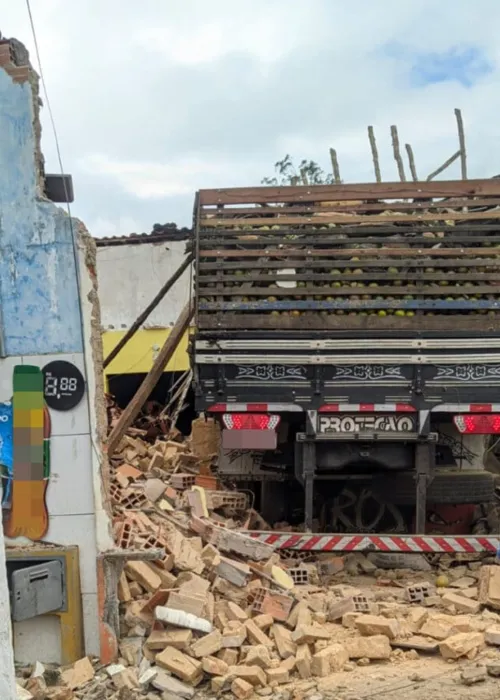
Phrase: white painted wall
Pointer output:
(130, 276)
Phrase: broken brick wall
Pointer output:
(49, 312)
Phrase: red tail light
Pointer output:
(477, 424)
(250, 421)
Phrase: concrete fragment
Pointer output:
(78, 674)
(461, 603)
(208, 645)
(493, 669)
(369, 625)
(179, 618)
(166, 683)
(416, 643)
(299, 615)
(147, 677)
(375, 647)
(251, 674)
(177, 638)
(461, 644)
(329, 660)
(192, 584)
(210, 555)
(258, 656)
(229, 656)
(154, 488)
(241, 688)
(306, 634)
(192, 604)
(256, 635)
(492, 636)
(399, 560)
(142, 572)
(181, 665)
(437, 629)
(235, 612)
(473, 674)
(303, 661)
(417, 617)
(349, 620)
(489, 586)
(22, 693)
(235, 572)
(231, 541)
(125, 678)
(279, 675)
(214, 666)
(234, 635)
(263, 621)
(283, 640)
(338, 608)
(463, 582)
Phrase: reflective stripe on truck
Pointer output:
(380, 543)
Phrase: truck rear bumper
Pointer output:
(367, 437)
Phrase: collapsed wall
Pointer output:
(51, 356)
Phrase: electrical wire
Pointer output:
(68, 209)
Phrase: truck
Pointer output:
(347, 340)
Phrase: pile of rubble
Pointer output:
(205, 622)
(207, 609)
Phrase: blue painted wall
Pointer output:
(39, 302)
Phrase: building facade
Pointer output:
(52, 413)
(131, 270)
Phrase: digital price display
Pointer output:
(64, 385)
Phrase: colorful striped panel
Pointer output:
(31, 468)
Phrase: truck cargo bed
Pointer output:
(417, 258)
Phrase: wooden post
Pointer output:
(397, 153)
(151, 379)
(461, 141)
(335, 166)
(143, 316)
(445, 165)
(373, 146)
(411, 161)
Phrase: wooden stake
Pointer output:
(373, 146)
(143, 316)
(397, 153)
(461, 141)
(335, 166)
(411, 161)
(151, 379)
(445, 165)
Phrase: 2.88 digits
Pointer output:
(66, 384)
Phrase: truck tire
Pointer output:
(448, 486)
(273, 501)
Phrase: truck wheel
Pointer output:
(447, 487)
(273, 501)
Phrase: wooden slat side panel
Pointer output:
(298, 253)
(368, 191)
(347, 264)
(348, 219)
(449, 203)
(329, 322)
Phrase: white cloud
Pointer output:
(155, 100)
(148, 180)
(265, 34)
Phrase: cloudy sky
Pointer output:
(155, 99)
